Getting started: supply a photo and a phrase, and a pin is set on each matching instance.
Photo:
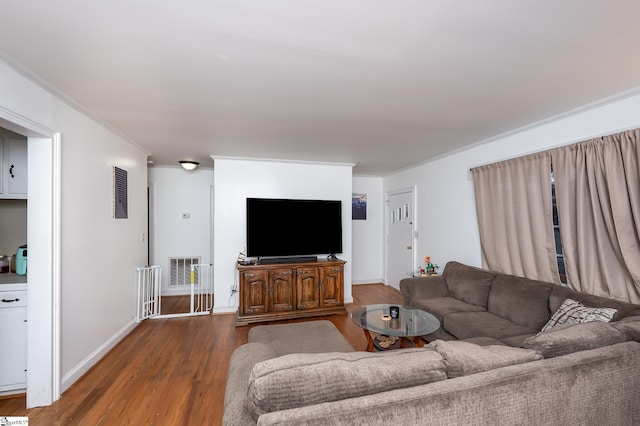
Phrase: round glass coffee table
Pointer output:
(393, 332)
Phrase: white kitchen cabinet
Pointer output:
(13, 338)
(13, 182)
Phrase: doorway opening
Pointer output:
(43, 241)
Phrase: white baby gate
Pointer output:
(149, 288)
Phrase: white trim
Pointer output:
(368, 281)
(56, 201)
(22, 125)
(85, 365)
(574, 141)
(231, 310)
(43, 239)
(275, 160)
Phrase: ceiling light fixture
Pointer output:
(189, 165)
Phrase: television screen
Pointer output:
(286, 227)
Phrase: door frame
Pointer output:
(43, 239)
(413, 190)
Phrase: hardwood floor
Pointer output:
(170, 371)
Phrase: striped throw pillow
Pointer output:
(572, 312)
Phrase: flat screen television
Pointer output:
(293, 228)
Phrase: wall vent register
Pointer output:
(180, 270)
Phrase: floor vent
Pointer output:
(180, 271)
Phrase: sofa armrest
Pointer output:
(419, 288)
(235, 397)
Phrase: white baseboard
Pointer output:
(177, 292)
(79, 370)
(230, 310)
(368, 281)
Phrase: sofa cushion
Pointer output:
(441, 306)
(235, 396)
(483, 341)
(516, 341)
(573, 312)
(568, 338)
(467, 283)
(298, 380)
(520, 300)
(559, 294)
(464, 325)
(464, 358)
(630, 327)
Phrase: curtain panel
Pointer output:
(515, 217)
(598, 199)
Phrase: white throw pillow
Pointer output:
(572, 312)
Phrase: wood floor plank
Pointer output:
(170, 371)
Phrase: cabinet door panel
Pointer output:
(13, 356)
(16, 173)
(331, 292)
(255, 292)
(281, 290)
(307, 288)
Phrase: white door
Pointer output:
(400, 236)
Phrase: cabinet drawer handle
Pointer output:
(11, 171)
(9, 301)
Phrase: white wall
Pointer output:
(176, 191)
(237, 179)
(447, 221)
(98, 254)
(368, 238)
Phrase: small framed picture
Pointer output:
(358, 206)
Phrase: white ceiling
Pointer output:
(383, 84)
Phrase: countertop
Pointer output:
(12, 282)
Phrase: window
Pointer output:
(556, 233)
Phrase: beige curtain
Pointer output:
(598, 196)
(514, 206)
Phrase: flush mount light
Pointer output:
(189, 165)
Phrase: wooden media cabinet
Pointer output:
(271, 292)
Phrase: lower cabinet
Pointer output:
(319, 287)
(267, 290)
(13, 335)
(292, 290)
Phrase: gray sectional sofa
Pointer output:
(587, 374)
(490, 307)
